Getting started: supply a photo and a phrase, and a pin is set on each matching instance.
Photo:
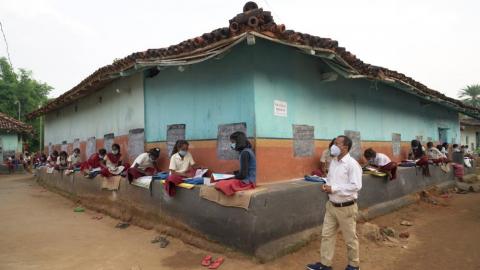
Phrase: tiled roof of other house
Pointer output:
(253, 20)
(10, 124)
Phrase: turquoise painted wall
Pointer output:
(374, 109)
(217, 91)
(9, 143)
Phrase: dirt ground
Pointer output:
(39, 230)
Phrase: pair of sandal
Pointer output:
(212, 264)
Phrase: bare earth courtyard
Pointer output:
(39, 230)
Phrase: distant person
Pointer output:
(62, 163)
(382, 162)
(435, 154)
(344, 181)
(144, 165)
(52, 159)
(245, 177)
(417, 153)
(74, 160)
(95, 162)
(325, 160)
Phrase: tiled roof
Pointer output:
(255, 20)
(469, 122)
(10, 124)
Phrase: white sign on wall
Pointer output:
(280, 108)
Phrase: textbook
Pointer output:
(222, 176)
(199, 173)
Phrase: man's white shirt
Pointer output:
(345, 178)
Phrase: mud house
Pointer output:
(11, 135)
(292, 92)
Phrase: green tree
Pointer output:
(471, 95)
(22, 87)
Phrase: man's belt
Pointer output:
(344, 204)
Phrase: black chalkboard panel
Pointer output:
(108, 141)
(303, 140)
(91, 147)
(224, 152)
(356, 151)
(396, 144)
(174, 133)
(136, 142)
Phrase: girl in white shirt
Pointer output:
(181, 166)
(144, 164)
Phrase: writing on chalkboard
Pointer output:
(91, 147)
(108, 141)
(303, 140)
(396, 143)
(174, 133)
(356, 150)
(76, 143)
(136, 142)
(224, 152)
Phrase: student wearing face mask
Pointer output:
(181, 166)
(344, 181)
(74, 160)
(382, 162)
(144, 164)
(114, 163)
(95, 161)
(245, 177)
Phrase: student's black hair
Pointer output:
(241, 140)
(178, 145)
(346, 141)
(154, 152)
(76, 150)
(429, 144)
(55, 153)
(331, 143)
(445, 144)
(117, 146)
(369, 153)
(418, 153)
(63, 153)
(439, 147)
(102, 151)
(43, 156)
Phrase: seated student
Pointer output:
(27, 162)
(181, 166)
(245, 178)
(144, 164)
(52, 159)
(74, 160)
(114, 162)
(325, 160)
(417, 153)
(458, 162)
(96, 160)
(11, 164)
(41, 160)
(435, 155)
(382, 162)
(62, 163)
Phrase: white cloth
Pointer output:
(381, 160)
(143, 160)
(180, 165)
(345, 178)
(434, 153)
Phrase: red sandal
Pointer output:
(207, 261)
(216, 263)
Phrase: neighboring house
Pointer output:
(470, 130)
(11, 136)
(292, 93)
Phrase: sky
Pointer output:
(436, 42)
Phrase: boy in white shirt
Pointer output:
(382, 162)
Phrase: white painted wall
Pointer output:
(470, 132)
(118, 113)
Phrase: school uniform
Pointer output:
(178, 165)
(325, 158)
(385, 165)
(74, 161)
(436, 155)
(145, 167)
(345, 179)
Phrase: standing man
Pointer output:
(344, 180)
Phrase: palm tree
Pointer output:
(471, 95)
